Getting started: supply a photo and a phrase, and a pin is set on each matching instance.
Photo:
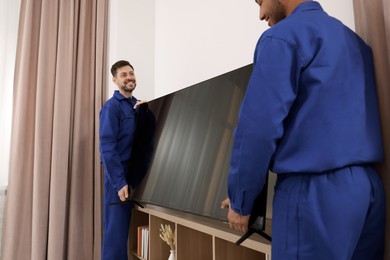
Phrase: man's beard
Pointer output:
(278, 12)
(128, 89)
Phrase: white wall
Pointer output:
(201, 40)
(131, 37)
(9, 18)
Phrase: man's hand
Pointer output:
(139, 102)
(236, 221)
(124, 193)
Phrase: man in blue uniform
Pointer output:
(116, 133)
(310, 115)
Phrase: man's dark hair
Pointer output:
(119, 64)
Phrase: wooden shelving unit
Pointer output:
(197, 237)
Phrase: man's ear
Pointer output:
(114, 80)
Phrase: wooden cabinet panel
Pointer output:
(193, 245)
(225, 250)
(196, 237)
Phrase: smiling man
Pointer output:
(116, 133)
(310, 115)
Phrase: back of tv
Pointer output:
(194, 138)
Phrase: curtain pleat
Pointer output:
(373, 25)
(53, 208)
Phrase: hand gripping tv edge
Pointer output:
(257, 219)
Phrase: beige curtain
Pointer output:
(373, 25)
(53, 209)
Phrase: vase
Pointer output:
(172, 255)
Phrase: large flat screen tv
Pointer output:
(194, 138)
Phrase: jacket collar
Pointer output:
(120, 97)
(306, 6)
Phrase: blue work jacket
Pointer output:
(116, 133)
(310, 106)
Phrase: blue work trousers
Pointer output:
(116, 222)
(337, 215)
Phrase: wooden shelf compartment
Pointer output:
(193, 245)
(225, 250)
(138, 219)
(158, 249)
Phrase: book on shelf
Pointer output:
(143, 241)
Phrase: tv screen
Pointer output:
(194, 138)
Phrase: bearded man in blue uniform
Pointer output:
(310, 114)
(117, 137)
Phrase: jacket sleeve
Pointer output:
(270, 94)
(108, 131)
